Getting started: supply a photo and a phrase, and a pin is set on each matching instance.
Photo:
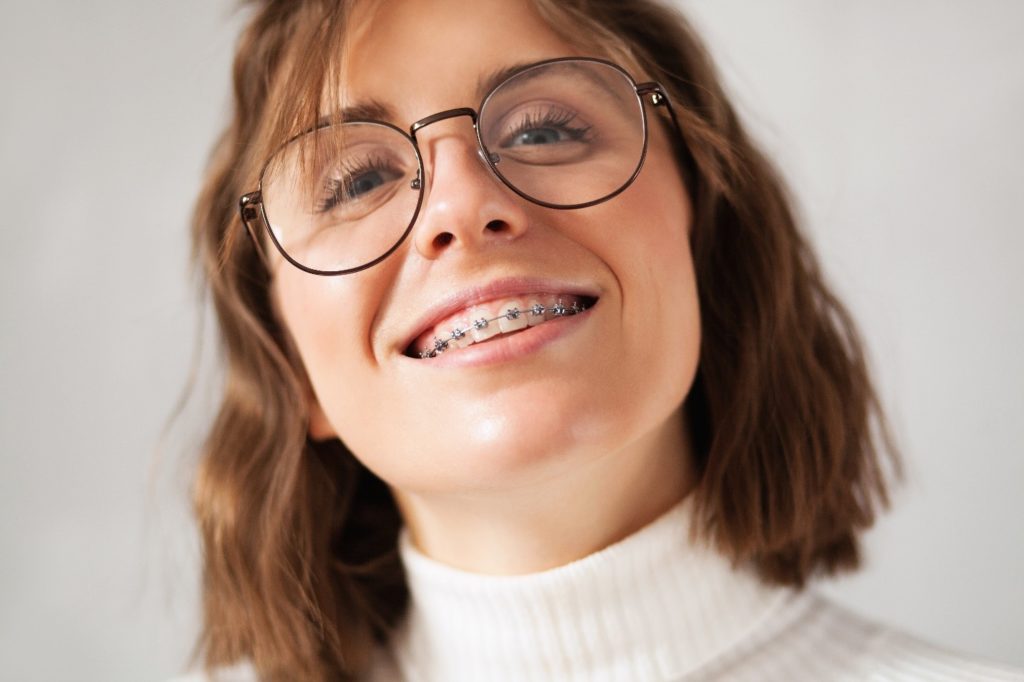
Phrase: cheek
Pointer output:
(309, 308)
(659, 293)
(357, 397)
(328, 319)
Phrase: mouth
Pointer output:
(499, 318)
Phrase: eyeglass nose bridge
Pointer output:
(487, 157)
(441, 116)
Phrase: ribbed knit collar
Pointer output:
(653, 606)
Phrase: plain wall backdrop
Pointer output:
(898, 125)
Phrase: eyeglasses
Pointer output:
(564, 133)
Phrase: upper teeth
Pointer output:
(513, 316)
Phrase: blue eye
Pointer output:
(540, 136)
(361, 184)
(548, 127)
(357, 182)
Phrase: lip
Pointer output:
(507, 287)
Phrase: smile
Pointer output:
(499, 318)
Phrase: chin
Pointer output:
(511, 439)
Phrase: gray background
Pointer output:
(898, 124)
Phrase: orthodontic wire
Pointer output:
(558, 310)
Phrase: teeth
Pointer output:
(459, 339)
(483, 329)
(483, 322)
(514, 320)
(535, 314)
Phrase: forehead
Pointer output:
(421, 56)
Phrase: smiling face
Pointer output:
(518, 407)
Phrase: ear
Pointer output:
(320, 428)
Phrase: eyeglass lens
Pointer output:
(561, 134)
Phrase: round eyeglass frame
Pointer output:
(252, 210)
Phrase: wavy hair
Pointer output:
(301, 573)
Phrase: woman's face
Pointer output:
(520, 406)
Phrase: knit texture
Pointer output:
(652, 607)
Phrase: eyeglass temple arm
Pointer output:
(250, 207)
(657, 95)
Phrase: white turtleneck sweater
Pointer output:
(652, 607)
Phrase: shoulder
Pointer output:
(815, 638)
(899, 656)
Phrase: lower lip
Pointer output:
(504, 349)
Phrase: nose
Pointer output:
(465, 206)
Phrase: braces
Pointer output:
(558, 310)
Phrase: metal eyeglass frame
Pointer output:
(251, 207)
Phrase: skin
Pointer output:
(524, 465)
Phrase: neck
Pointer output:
(587, 503)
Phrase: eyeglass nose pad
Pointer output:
(489, 158)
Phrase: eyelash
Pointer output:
(335, 188)
(551, 118)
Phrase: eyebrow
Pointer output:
(370, 110)
(375, 110)
(487, 83)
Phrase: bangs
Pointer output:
(303, 93)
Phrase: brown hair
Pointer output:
(301, 573)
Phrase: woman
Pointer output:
(530, 374)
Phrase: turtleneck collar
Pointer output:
(652, 606)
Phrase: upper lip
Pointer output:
(506, 287)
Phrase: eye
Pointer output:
(357, 182)
(364, 183)
(540, 136)
(548, 126)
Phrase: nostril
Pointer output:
(442, 240)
